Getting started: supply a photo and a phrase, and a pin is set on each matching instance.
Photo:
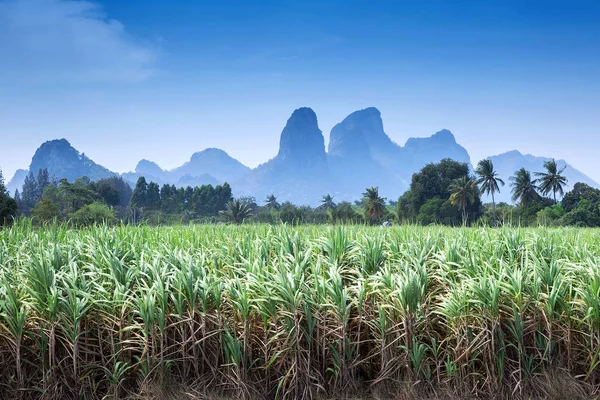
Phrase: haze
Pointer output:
(124, 81)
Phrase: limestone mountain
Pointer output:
(299, 170)
(506, 164)
(62, 161)
(211, 161)
(361, 154)
(149, 170)
(351, 160)
(420, 151)
(210, 166)
(16, 183)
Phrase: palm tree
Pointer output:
(271, 202)
(551, 180)
(373, 205)
(488, 181)
(236, 212)
(524, 189)
(462, 193)
(327, 202)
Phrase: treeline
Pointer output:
(169, 204)
(445, 193)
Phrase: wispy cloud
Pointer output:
(69, 41)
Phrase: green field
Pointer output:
(282, 312)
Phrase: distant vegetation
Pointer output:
(445, 193)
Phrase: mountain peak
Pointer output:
(301, 140)
(211, 152)
(511, 153)
(352, 136)
(149, 168)
(444, 135)
(212, 161)
(63, 161)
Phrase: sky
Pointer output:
(159, 80)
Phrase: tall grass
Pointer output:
(263, 312)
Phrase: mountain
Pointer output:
(361, 154)
(215, 162)
(149, 170)
(210, 166)
(204, 179)
(299, 172)
(358, 149)
(16, 183)
(420, 151)
(506, 164)
(62, 161)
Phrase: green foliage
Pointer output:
(8, 205)
(33, 189)
(524, 189)
(271, 202)
(551, 216)
(44, 211)
(551, 181)
(488, 181)
(153, 205)
(431, 187)
(292, 214)
(236, 212)
(373, 205)
(288, 312)
(93, 214)
(462, 194)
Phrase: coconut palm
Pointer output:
(488, 181)
(462, 193)
(271, 202)
(373, 204)
(524, 189)
(236, 212)
(327, 202)
(551, 180)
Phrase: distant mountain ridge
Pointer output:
(507, 163)
(360, 154)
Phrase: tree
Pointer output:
(327, 202)
(431, 182)
(462, 193)
(236, 212)
(551, 180)
(93, 214)
(344, 213)
(580, 192)
(42, 182)
(488, 181)
(524, 189)
(271, 202)
(250, 201)
(8, 206)
(582, 206)
(44, 211)
(291, 214)
(152, 196)
(373, 204)
(28, 194)
(138, 197)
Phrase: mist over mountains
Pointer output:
(359, 154)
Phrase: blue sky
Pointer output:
(126, 80)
